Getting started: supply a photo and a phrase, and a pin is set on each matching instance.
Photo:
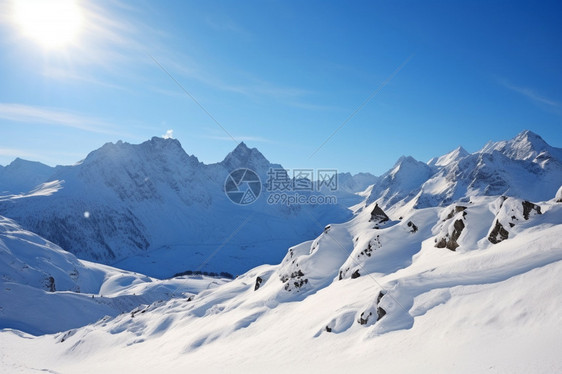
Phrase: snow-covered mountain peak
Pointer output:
(525, 146)
(150, 148)
(453, 156)
(243, 156)
(22, 175)
(406, 166)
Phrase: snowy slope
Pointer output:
(154, 209)
(414, 306)
(44, 289)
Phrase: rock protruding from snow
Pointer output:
(374, 309)
(498, 233)
(258, 283)
(378, 215)
(452, 228)
(530, 209)
(449, 241)
(511, 212)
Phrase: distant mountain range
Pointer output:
(525, 167)
(153, 208)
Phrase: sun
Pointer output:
(50, 23)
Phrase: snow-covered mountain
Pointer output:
(525, 167)
(154, 209)
(441, 289)
(22, 176)
(407, 285)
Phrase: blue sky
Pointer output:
(283, 76)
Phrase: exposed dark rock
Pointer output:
(528, 207)
(378, 215)
(458, 208)
(355, 274)
(412, 226)
(380, 313)
(364, 318)
(298, 282)
(379, 297)
(51, 284)
(498, 234)
(450, 242)
(259, 280)
(327, 229)
(328, 329)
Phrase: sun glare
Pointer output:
(51, 23)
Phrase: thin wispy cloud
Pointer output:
(55, 117)
(533, 95)
(252, 87)
(16, 152)
(65, 74)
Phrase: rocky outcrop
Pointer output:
(412, 226)
(376, 308)
(457, 209)
(259, 281)
(498, 233)
(511, 211)
(294, 281)
(378, 215)
(529, 207)
(449, 241)
(50, 284)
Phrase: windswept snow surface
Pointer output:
(411, 307)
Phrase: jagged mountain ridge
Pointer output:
(525, 167)
(22, 176)
(152, 208)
